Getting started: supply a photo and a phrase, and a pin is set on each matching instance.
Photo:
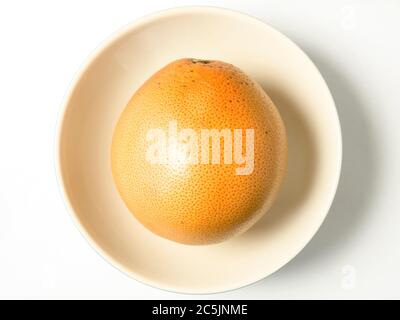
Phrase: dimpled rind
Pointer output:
(204, 203)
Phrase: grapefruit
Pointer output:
(199, 153)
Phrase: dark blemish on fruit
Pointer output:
(230, 101)
(193, 80)
(201, 61)
(191, 70)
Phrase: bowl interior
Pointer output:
(102, 90)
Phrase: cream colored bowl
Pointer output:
(102, 89)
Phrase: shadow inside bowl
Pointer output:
(360, 170)
(359, 174)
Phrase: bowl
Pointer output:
(101, 90)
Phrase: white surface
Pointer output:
(355, 45)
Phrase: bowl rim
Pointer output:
(108, 42)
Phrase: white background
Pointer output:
(356, 46)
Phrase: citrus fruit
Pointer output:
(199, 153)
